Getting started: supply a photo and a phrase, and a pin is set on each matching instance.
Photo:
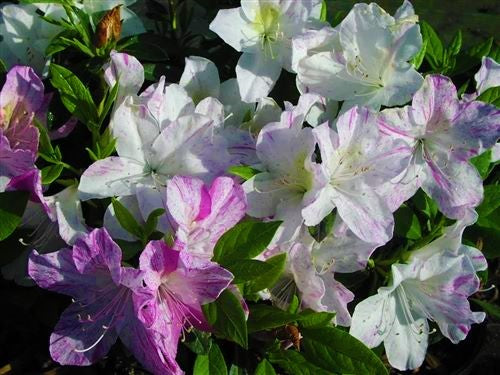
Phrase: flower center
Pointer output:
(267, 25)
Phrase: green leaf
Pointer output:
(199, 342)
(211, 364)
(455, 44)
(247, 269)
(51, 173)
(108, 102)
(264, 367)
(434, 50)
(147, 47)
(489, 206)
(126, 219)
(244, 171)
(323, 229)
(228, 318)
(268, 278)
(265, 317)
(324, 10)
(152, 221)
(491, 96)
(12, 206)
(335, 350)
(75, 95)
(482, 163)
(3, 67)
(425, 204)
(129, 249)
(406, 223)
(418, 59)
(489, 308)
(490, 238)
(294, 363)
(293, 307)
(312, 319)
(245, 240)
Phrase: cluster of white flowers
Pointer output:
(335, 151)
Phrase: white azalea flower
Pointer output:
(263, 31)
(433, 286)
(364, 60)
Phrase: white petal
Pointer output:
(235, 29)
(113, 176)
(256, 75)
(373, 318)
(200, 78)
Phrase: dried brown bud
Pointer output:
(109, 28)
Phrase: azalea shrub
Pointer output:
(264, 187)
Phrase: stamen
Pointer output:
(493, 286)
(94, 344)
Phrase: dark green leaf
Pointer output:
(425, 204)
(335, 350)
(434, 49)
(126, 219)
(3, 66)
(74, 94)
(265, 368)
(245, 240)
(490, 309)
(149, 47)
(247, 269)
(312, 319)
(482, 163)
(12, 206)
(51, 173)
(244, 171)
(129, 249)
(406, 223)
(228, 318)
(152, 221)
(199, 342)
(489, 237)
(108, 102)
(491, 96)
(418, 59)
(268, 278)
(323, 229)
(264, 317)
(211, 364)
(489, 206)
(456, 44)
(294, 363)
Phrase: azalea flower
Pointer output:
(364, 60)
(201, 215)
(353, 162)
(181, 284)
(341, 250)
(443, 134)
(433, 286)
(263, 31)
(290, 177)
(314, 283)
(241, 121)
(110, 301)
(156, 139)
